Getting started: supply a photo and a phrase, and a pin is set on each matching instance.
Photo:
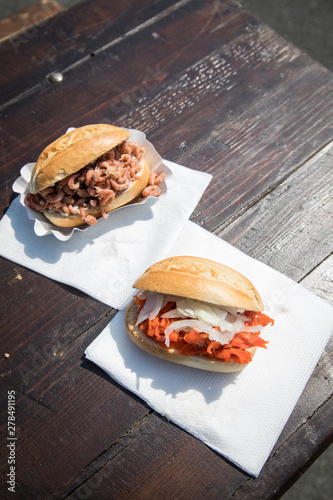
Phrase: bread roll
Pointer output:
(72, 152)
(200, 279)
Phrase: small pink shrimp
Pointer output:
(125, 158)
(119, 186)
(73, 210)
(30, 201)
(151, 190)
(69, 200)
(103, 164)
(64, 208)
(91, 191)
(81, 201)
(89, 176)
(105, 195)
(156, 178)
(45, 192)
(55, 206)
(56, 197)
(71, 182)
(83, 193)
(90, 219)
(68, 191)
(103, 213)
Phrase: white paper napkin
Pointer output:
(239, 415)
(105, 260)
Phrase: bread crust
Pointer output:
(63, 220)
(201, 279)
(73, 151)
(152, 347)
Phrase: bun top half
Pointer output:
(201, 279)
(73, 151)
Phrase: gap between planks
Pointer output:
(118, 40)
(95, 466)
(111, 312)
(311, 159)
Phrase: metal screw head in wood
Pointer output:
(55, 77)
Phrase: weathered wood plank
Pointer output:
(149, 467)
(320, 280)
(38, 319)
(56, 44)
(57, 407)
(284, 229)
(113, 88)
(160, 448)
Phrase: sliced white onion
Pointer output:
(151, 307)
(173, 313)
(199, 326)
(187, 307)
(184, 324)
(211, 315)
(200, 316)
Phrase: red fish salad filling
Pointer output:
(195, 328)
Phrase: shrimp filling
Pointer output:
(195, 328)
(97, 184)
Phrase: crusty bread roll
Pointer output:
(70, 153)
(200, 279)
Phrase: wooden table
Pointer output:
(214, 90)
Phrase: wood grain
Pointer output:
(32, 343)
(291, 217)
(62, 41)
(57, 407)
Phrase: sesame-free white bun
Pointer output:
(73, 151)
(200, 279)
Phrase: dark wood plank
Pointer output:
(27, 17)
(285, 229)
(55, 316)
(162, 461)
(149, 465)
(58, 407)
(113, 89)
(64, 40)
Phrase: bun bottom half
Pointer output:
(63, 220)
(152, 347)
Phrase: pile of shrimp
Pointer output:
(97, 184)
